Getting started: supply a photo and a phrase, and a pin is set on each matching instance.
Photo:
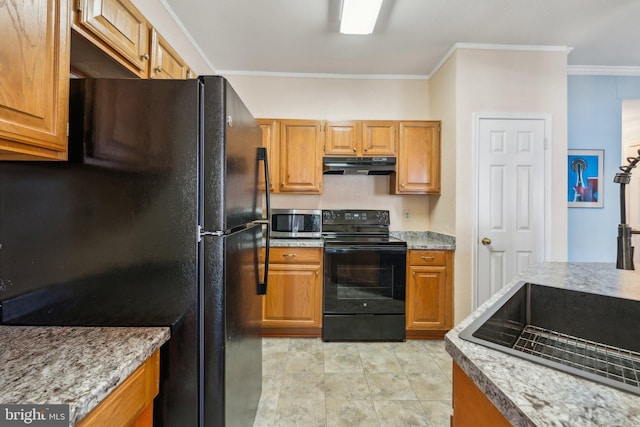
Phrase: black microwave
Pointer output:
(296, 223)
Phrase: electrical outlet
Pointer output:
(407, 215)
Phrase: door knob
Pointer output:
(486, 241)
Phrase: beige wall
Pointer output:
(494, 81)
(442, 104)
(336, 99)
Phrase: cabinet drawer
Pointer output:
(418, 257)
(295, 255)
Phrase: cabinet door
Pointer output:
(418, 169)
(292, 298)
(343, 138)
(427, 298)
(270, 138)
(119, 29)
(300, 153)
(34, 95)
(379, 138)
(165, 62)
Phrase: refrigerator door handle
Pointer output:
(262, 156)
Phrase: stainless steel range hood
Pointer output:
(358, 165)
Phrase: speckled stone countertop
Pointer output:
(415, 240)
(296, 243)
(529, 394)
(78, 366)
(426, 240)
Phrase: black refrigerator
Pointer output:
(155, 220)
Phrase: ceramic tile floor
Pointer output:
(307, 382)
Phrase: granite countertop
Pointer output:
(296, 243)
(415, 240)
(529, 394)
(78, 366)
(428, 240)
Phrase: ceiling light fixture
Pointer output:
(359, 16)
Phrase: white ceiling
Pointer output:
(411, 38)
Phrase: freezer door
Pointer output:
(231, 139)
(232, 346)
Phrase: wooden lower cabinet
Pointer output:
(429, 293)
(471, 408)
(293, 303)
(131, 403)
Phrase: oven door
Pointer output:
(364, 279)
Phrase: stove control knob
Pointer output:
(363, 216)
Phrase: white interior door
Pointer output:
(511, 196)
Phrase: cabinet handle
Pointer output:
(288, 255)
(145, 57)
(428, 258)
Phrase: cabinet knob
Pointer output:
(282, 184)
(366, 149)
(159, 68)
(402, 185)
(354, 149)
(145, 57)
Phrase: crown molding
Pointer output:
(324, 75)
(600, 70)
(514, 47)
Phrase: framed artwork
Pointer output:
(584, 182)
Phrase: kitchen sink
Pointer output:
(593, 336)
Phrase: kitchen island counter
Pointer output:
(529, 394)
(78, 366)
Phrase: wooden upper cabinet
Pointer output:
(165, 61)
(300, 152)
(270, 139)
(360, 138)
(34, 94)
(379, 138)
(117, 28)
(343, 138)
(418, 167)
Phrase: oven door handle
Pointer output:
(360, 248)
